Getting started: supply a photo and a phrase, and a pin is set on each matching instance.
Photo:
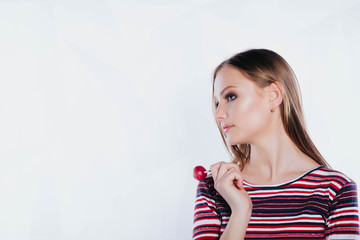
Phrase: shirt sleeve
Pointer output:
(343, 218)
(207, 221)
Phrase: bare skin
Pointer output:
(235, 195)
(274, 157)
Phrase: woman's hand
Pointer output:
(229, 183)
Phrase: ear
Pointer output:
(274, 93)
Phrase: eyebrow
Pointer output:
(225, 89)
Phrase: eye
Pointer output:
(230, 95)
(227, 96)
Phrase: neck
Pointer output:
(275, 155)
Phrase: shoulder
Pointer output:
(327, 174)
(206, 186)
(336, 180)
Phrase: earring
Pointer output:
(272, 110)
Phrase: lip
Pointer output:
(227, 127)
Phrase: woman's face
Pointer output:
(244, 106)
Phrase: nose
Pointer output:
(220, 114)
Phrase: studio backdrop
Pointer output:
(105, 106)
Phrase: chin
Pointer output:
(232, 141)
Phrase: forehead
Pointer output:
(230, 76)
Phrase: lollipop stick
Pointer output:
(200, 173)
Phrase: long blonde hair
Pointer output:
(263, 67)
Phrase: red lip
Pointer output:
(227, 127)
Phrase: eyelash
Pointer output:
(226, 96)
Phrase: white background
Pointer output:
(105, 106)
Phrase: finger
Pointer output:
(238, 180)
(239, 184)
(234, 176)
(226, 167)
(215, 169)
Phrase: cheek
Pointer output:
(251, 113)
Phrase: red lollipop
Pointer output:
(200, 173)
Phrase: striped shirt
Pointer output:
(320, 204)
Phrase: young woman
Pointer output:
(278, 185)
